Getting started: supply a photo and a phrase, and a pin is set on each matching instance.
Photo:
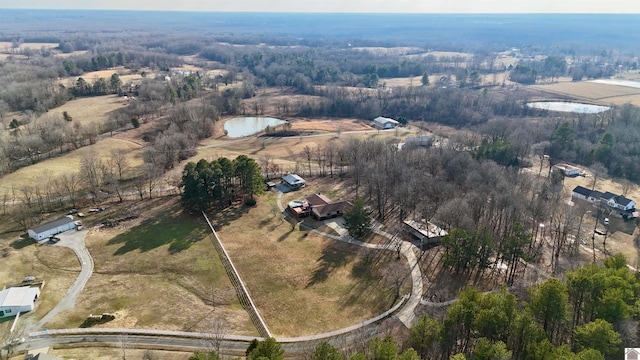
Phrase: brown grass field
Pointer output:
(5, 46)
(300, 282)
(105, 353)
(158, 271)
(601, 93)
(69, 163)
(126, 76)
(90, 110)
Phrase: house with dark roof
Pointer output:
(323, 208)
(618, 202)
(51, 228)
(581, 193)
(614, 201)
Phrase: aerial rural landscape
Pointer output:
(210, 185)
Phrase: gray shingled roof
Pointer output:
(51, 225)
(582, 191)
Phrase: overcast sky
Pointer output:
(405, 6)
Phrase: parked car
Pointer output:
(102, 209)
(606, 221)
(93, 210)
(29, 278)
(73, 211)
(81, 214)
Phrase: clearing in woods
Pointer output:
(622, 233)
(33, 175)
(604, 94)
(93, 110)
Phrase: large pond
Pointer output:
(568, 107)
(248, 125)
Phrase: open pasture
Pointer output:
(49, 169)
(601, 93)
(92, 110)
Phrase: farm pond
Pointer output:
(572, 107)
(248, 125)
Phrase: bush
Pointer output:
(250, 202)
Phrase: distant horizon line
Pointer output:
(322, 12)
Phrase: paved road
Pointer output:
(232, 345)
(75, 241)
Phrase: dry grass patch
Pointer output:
(588, 90)
(6, 46)
(158, 271)
(106, 353)
(303, 283)
(48, 169)
(90, 110)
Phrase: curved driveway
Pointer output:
(407, 314)
(75, 241)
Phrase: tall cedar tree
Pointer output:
(357, 220)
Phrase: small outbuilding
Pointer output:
(384, 123)
(417, 141)
(52, 228)
(567, 169)
(425, 231)
(16, 300)
(293, 181)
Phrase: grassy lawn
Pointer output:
(303, 283)
(158, 271)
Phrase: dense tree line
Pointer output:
(591, 316)
(219, 182)
(491, 211)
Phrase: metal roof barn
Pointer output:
(51, 228)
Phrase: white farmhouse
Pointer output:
(51, 228)
(16, 300)
(384, 123)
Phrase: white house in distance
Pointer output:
(294, 181)
(384, 123)
(16, 300)
(52, 228)
(618, 202)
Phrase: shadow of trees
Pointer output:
(334, 256)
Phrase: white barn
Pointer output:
(384, 123)
(51, 228)
(16, 300)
